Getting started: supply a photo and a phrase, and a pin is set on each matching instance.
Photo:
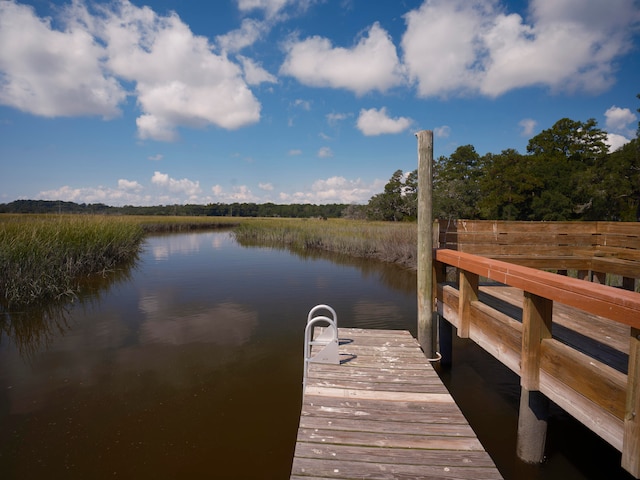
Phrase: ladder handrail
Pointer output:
(328, 339)
(323, 307)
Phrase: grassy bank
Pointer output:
(385, 241)
(43, 256)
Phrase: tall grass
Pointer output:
(43, 257)
(385, 241)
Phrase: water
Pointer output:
(189, 365)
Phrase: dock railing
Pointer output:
(600, 396)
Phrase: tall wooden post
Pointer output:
(426, 324)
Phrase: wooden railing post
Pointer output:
(537, 315)
(631, 438)
(468, 287)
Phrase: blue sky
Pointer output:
(292, 101)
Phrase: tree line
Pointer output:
(566, 174)
(214, 209)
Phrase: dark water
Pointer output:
(189, 365)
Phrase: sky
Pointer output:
(164, 102)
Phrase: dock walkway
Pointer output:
(383, 413)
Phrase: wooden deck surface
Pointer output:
(383, 413)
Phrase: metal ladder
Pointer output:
(328, 339)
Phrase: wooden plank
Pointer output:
(602, 384)
(383, 413)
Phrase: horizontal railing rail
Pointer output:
(594, 392)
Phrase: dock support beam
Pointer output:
(426, 324)
(532, 426)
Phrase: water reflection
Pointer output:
(223, 324)
(31, 328)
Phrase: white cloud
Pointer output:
(335, 190)
(455, 46)
(178, 79)
(254, 74)
(127, 193)
(239, 193)
(295, 151)
(325, 152)
(618, 119)
(270, 7)
(377, 122)
(53, 73)
(266, 186)
(183, 186)
(615, 141)
(129, 185)
(249, 32)
(156, 158)
(442, 132)
(371, 64)
(528, 126)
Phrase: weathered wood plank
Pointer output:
(383, 413)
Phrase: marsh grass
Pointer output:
(44, 256)
(385, 241)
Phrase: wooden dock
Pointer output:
(383, 413)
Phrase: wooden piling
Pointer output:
(426, 324)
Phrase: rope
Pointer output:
(437, 359)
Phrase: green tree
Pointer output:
(506, 186)
(398, 201)
(456, 187)
(565, 161)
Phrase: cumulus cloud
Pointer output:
(179, 80)
(183, 186)
(377, 122)
(372, 64)
(615, 141)
(126, 193)
(239, 193)
(295, 151)
(53, 73)
(266, 186)
(528, 126)
(129, 185)
(456, 46)
(619, 119)
(335, 189)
